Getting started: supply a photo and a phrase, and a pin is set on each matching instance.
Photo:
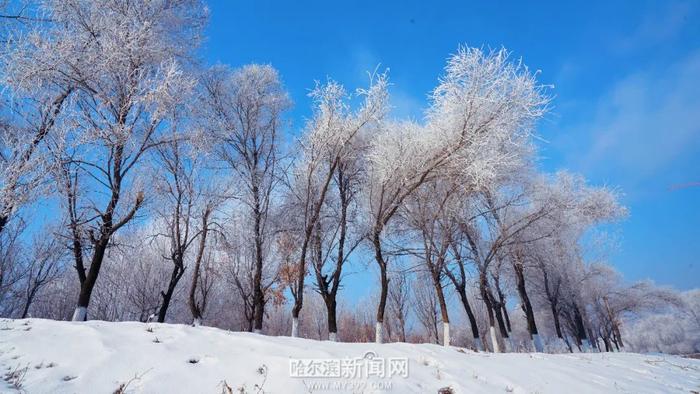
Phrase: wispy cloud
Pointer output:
(644, 123)
(657, 27)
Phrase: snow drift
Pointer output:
(46, 356)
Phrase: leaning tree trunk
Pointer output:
(618, 336)
(470, 314)
(49, 120)
(502, 307)
(527, 308)
(384, 282)
(30, 298)
(498, 311)
(581, 337)
(555, 317)
(554, 307)
(175, 276)
(499, 306)
(443, 309)
(489, 311)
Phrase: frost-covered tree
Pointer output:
(12, 272)
(104, 106)
(565, 208)
(610, 301)
(399, 302)
(128, 72)
(481, 113)
(328, 139)
(674, 329)
(203, 267)
(181, 189)
(337, 235)
(244, 111)
(428, 213)
(36, 91)
(426, 306)
(45, 263)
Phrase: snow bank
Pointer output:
(45, 356)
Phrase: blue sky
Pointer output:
(626, 76)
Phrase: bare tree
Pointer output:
(12, 270)
(44, 266)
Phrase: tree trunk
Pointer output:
(299, 295)
(498, 308)
(178, 270)
(196, 308)
(527, 307)
(328, 288)
(30, 298)
(606, 342)
(3, 221)
(88, 285)
(555, 317)
(258, 294)
(332, 324)
(295, 325)
(618, 336)
(489, 313)
(506, 317)
(384, 282)
(470, 314)
(580, 329)
(437, 283)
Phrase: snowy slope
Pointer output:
(98, 357)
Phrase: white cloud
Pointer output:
(645, 123)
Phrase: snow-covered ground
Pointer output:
(45, 356)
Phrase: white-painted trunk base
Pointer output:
(295, 327)
(378, 331)
(80, 314)
(494, 339)
(446, 334)
(333, 337)
(257, 331)
(197, 322)
(537, 343)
